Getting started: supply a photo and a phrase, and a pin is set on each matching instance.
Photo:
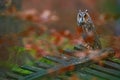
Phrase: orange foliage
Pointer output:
(117, 53)
(114, 43)
(69, 68)
(67, 34)
(79, 30)
(27, 32)
(74, 77)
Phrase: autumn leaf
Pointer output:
(79, 30)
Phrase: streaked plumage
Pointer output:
(89, 32)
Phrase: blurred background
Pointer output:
(29, 26)
(62, 14)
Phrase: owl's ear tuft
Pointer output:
(86, 10)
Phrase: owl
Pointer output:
(89, 33)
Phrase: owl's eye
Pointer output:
(85, 15)
(79, 15)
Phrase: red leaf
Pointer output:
(79, 30)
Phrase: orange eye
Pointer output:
(85, 16)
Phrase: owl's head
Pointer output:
(82, 17)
